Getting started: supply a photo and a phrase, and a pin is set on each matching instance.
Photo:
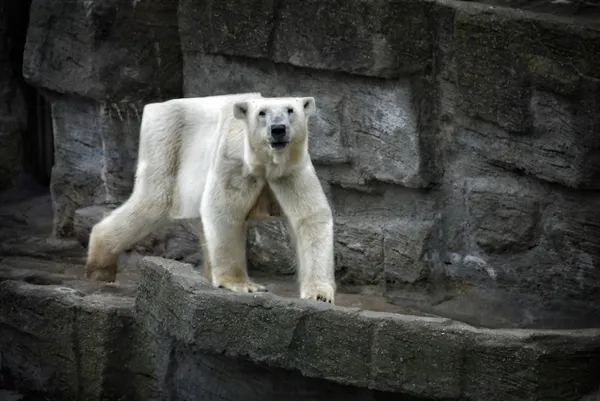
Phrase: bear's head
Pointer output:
(275, 122)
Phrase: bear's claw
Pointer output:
(319, 292)
(243, 286)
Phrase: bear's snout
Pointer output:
(278, 131)
(279, 138)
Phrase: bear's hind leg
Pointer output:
(125, 226)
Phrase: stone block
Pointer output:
(560, 147)
(479, 52)
(270, 249)
(406, 244)
(371, 31)
(365, 221)
(503, 52)
(423, 357)
(31, 363)
(96, 155)
(57, 342)
(515, 252)
(537, 367)
(222, 378)
(235, 28)
(369, 123)
(503, 217)
(382, 133)
(426, 345)
(116, 49)
(571, 238)
(378, 203)
(358, 251)
(528, 94)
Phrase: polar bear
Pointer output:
(218, 162)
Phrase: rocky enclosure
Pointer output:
(459, 146)
(457, 141)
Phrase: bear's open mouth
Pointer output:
(279, 145)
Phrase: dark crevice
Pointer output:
(36, 142)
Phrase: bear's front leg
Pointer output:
(304, 203)
(223, 214)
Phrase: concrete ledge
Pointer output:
(70, 339)
(64, 343)
(420, 356)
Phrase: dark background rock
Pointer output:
(13, 96)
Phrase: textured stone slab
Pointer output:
(372, 31)
(406, 252)
(59, 342)
(96, 154)
(240, 28)
(117, 50)
(518, 251)
(424, 357)
(536, 81)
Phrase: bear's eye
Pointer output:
(261, 113)
(290, 110)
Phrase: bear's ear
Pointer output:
(240, 110)
(308, 103)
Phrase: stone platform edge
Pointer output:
(425, 357)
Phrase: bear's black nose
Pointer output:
(278, 131)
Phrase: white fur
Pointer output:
(212, 160)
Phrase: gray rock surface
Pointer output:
(279, 30)
(109, 59)
(539, 118)
(110, 51)
(181, 338)
(56, 341)
(424, 357)
(96, 154)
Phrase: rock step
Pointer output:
(182, 338)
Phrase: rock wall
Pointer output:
(99, 62)
(457, 142)
(13, 108)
